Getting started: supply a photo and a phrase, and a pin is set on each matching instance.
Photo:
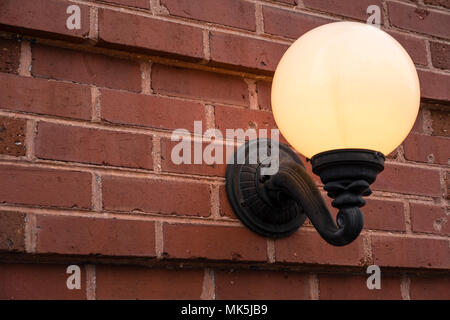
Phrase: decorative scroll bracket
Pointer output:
(277, 205)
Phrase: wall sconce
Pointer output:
(344, 95)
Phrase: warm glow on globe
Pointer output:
(345, 85)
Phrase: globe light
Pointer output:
(344, 95)
(345, 85)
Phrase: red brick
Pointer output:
(39, 282)
(427, 149)
(43, 18)
(240, 52)
(233, 13)
(421, 20)
(429, 218)
(94, 236)
(12, 136)
(354, 287)
(410, 252)
(415, 47)
(447, 182)
(434, 85)
(83, 67)
(224, 204)
(12, 231)
(144, 4)
(199, 85)
(440, 55)
(87, 145)
(130, 31)
(306, 246)
(354, 8)
(418, 125)
(156, 195)
(150, 111)
(216, 169)
(289, 24)
(45, 97)
(124, 282)
(188, 241)
(9, 55)
(430, 287)
(263, 89)
(236, 118)
(407, 179)
(293, 2)
(255, 285)
(384, 215)
(45, 187)
(443, 3)
(440, 122)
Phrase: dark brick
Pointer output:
(9, 55)
(190, 241)
(440, 122)
(255, 285)
(45, 187)
(94, 236)
(156, 195)
(307, 247)
(289, 24)
(126, 282)
(410, 17)
(233, 13)
(199, 85)
(429, 218)
(43, 18)
(12, 136)
(410, 180)
(12, 231)
(410, 252)
(150, 111)
(354, 287)
(434, 85)
(38, 282)
(240, 52)
(350, 8)
(144, 4)
(89, 145)
(41, 96)
(440, 55)
(135, 32)
(430, 287)
(88, 68)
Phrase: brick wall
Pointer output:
(86, 177)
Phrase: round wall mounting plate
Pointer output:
(245, 189)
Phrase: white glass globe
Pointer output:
(345, 85)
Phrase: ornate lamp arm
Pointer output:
(293, 180)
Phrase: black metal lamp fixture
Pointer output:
(343, 95)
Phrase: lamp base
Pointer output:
(347, 174)
(268, 215)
